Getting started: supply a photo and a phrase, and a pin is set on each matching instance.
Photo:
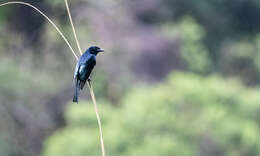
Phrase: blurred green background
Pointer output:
(178, 78)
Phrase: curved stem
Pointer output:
(27, 4)
(89, 85)
(98, 118)
(73, 28)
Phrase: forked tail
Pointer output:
(76, 94)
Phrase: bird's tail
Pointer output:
(76, 94)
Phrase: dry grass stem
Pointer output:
(89, 85)
(98, 119)
(53, 24)
(73, 28)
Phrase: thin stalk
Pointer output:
(89, 85)
(98, 119)
(73, 28)
(53, 24)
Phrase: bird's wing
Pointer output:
(82, 69)
(91, 64)
(87, 66)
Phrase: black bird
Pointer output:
(85, 65)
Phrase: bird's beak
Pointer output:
(101, 50)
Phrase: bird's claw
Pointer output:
(89, 82)
(89, 79)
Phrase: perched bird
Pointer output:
(84, 66)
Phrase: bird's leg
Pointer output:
(89, 79)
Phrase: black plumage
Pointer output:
(84, 67)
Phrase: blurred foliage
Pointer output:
(4, 146)
(193, 52)
(241, 58)
(185, 115)
(221, 19)
(16, 83)
(208, 105)
(3, 15)
(21, 93)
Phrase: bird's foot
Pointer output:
(89, 79)
(89, 82)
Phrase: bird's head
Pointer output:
(95, 50)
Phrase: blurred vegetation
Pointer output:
(185, 115)
(193, 52)
(177, 78)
